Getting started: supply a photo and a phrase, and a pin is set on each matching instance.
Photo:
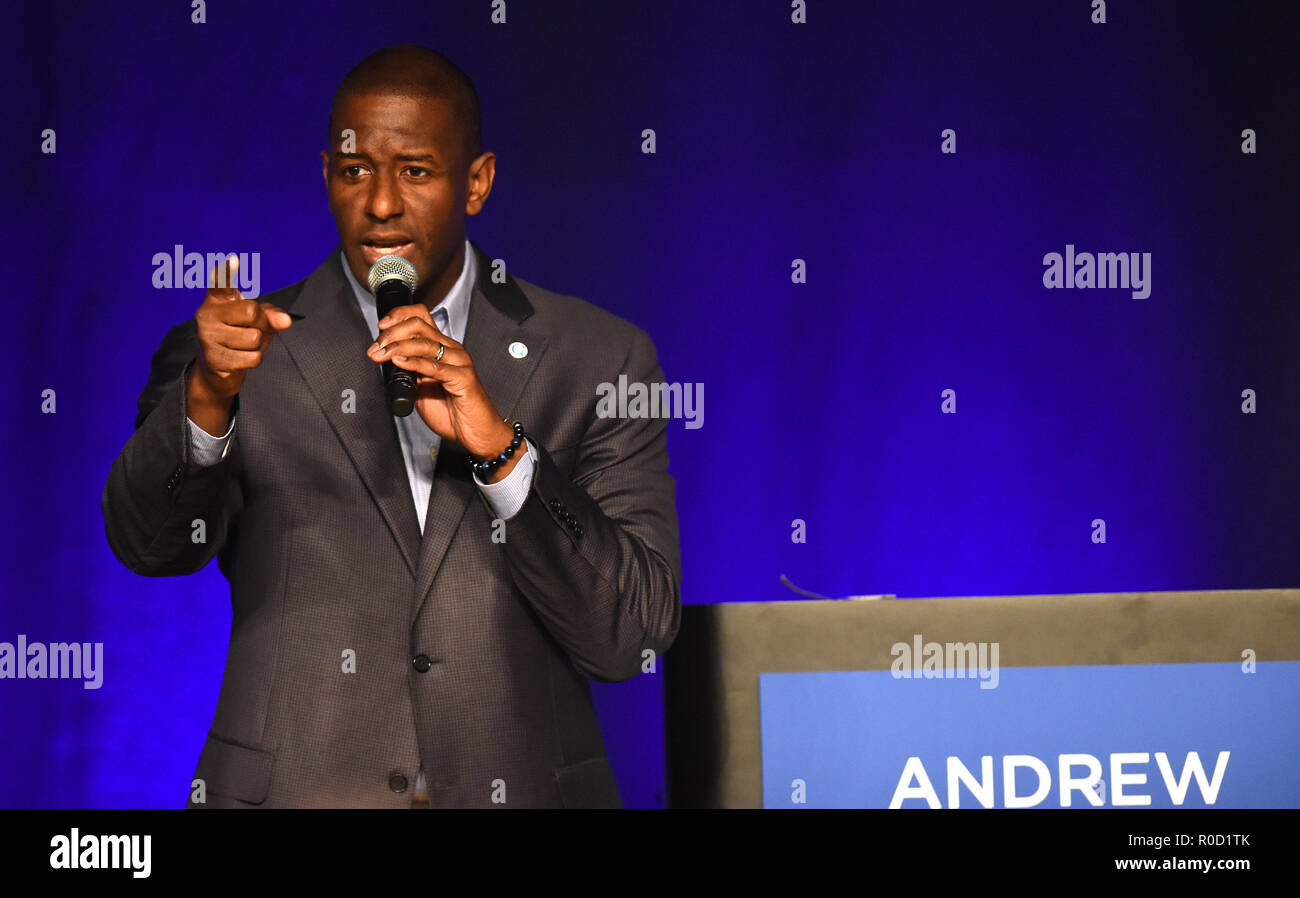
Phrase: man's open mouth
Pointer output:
(374, 249)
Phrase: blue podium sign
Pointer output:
(1148, 735)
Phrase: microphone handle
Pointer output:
(399, 384)
(400, 390)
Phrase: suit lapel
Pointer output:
(328, 345)
(498, 318)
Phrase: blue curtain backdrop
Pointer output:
(776, 142)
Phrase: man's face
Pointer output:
(403, 188)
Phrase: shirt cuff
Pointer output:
(507, 496)
(205, 449)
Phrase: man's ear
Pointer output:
(482, 171)
(325, 166)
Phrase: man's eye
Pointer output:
(418, 172)
(352, 171)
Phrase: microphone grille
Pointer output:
(388, 268)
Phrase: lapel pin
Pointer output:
(518, 350)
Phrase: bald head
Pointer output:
(415, 72)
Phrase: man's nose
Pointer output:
(385, 198)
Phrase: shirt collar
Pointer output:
(455, 303)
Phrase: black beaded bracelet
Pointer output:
(487, 467)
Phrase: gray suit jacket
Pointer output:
(471, 655)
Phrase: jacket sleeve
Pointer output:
(597, 555)
(155, 494)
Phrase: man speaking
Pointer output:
(419, 600)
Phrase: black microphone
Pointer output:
(392, 279)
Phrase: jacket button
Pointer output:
(577, 530)
(556, 505)
(397, 782)
(421, 663)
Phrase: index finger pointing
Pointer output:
(224, 274)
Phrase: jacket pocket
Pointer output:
(235, 771)
(588, 784)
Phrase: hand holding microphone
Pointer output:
(443, 385)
